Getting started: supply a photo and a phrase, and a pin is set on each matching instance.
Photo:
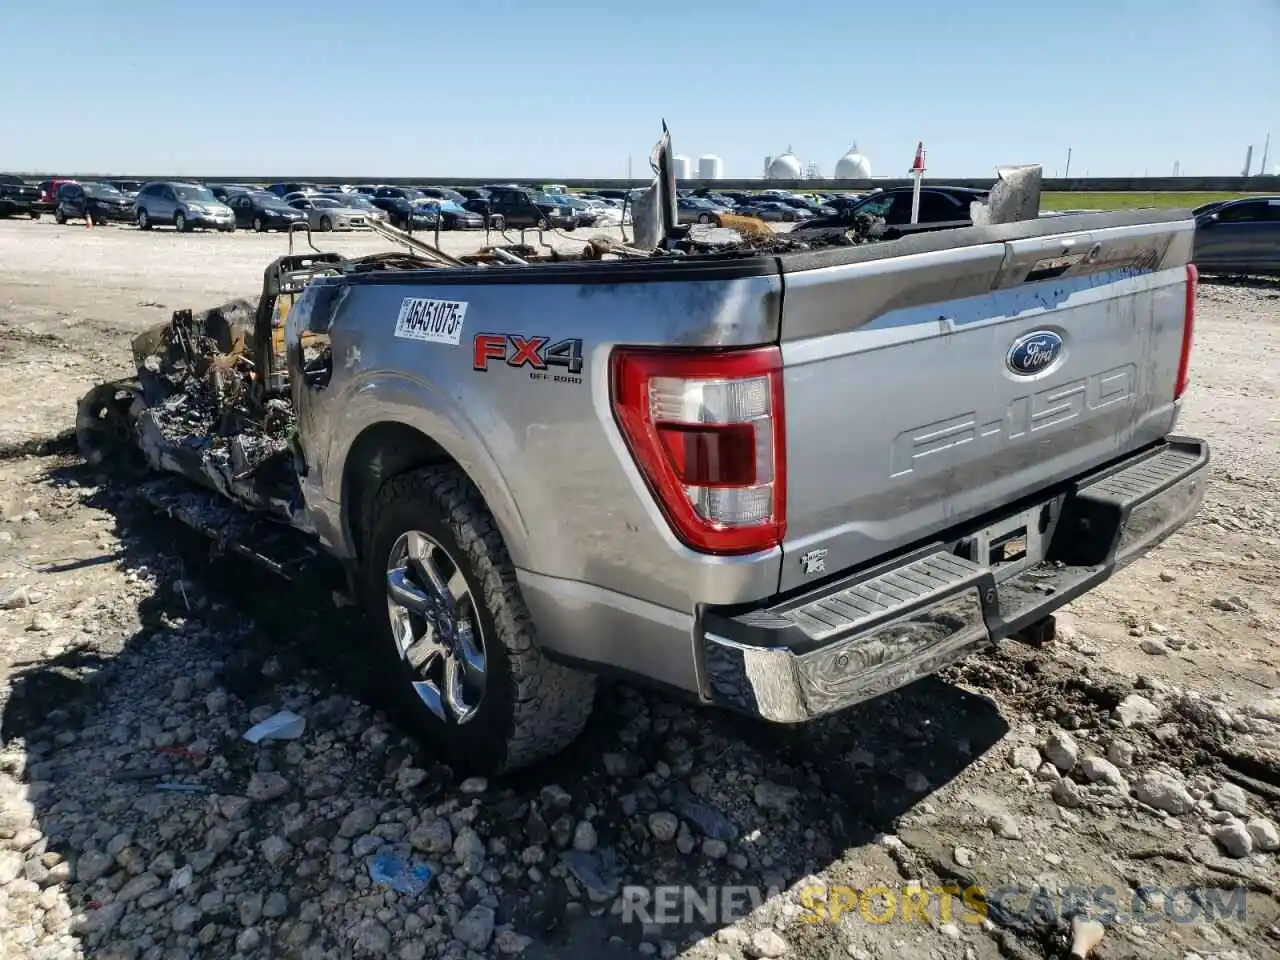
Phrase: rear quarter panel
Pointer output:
(540, 442)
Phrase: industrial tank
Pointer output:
(710, 167)
(853, 166)
(786, 167)
(682, 167)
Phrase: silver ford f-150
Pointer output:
(778, 481)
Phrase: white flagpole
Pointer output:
(917, 170)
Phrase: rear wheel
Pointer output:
(454, 632)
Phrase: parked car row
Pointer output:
(277, 206)
(1232, 236)
(498, 206)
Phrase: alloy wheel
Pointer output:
(436, 627)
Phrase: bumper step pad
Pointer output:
(866, 634)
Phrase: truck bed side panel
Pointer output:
(540, 439)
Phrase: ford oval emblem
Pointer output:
(1034, 353)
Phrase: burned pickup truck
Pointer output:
(777, 479)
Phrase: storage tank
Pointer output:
(710, 167)
(786, 167)
(682, 167)
(853, 166)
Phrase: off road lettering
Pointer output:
(536, 353)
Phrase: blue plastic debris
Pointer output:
(400, 876)
(706, 818)
(597, 871)
(284, 725)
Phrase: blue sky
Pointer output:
(568, 89)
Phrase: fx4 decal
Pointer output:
(542, 357)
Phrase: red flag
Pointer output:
(917, 165)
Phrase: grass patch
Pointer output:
(1128, 199)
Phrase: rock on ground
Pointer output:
(1164, 792)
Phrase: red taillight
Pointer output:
(706, 430)
(1188, 324)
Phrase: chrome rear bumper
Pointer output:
(885, 627)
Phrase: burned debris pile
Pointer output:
(202, 411)
(742, 235)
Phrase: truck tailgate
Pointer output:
(923, 390)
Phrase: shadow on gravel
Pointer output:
(655, 793)
(1237, 280)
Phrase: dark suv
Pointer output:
(1238, 236)
(399, 203)
(98, 202)
(940, 208)
(516, 207)
(16, 197)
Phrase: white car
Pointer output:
(606, 215)
(327, 212)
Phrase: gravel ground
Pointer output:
(1141, 748)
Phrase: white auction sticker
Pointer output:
(435, 321)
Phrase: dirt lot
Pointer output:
(131, 661)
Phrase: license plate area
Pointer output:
(1014, 544)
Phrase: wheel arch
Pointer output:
(390, 448)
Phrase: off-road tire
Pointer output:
(531, 707)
